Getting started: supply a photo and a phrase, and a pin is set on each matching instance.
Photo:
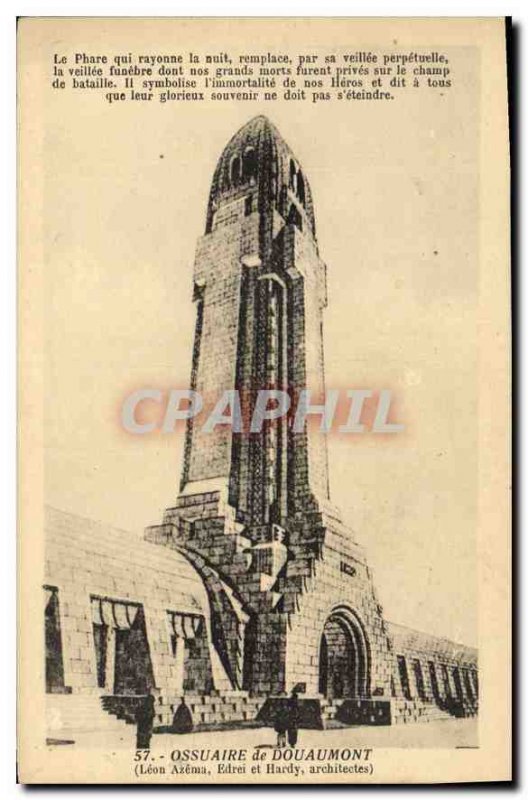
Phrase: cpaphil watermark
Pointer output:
(349, 411)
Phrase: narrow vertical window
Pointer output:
(445, 679)
(272, 380)
(235, 171)
(418, 677)
(467, 685)
(458, 683)
(300, 187)
(249, 164)
(404, 677)
(199, 293)
(434, 680)
(293, 176)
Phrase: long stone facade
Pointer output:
(263, 587)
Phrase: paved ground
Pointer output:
(441, 734)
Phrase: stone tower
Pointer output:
(260, 291)
(291, 594)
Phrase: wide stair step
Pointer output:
(417, 711)
(329, 709)
(213, 711)
(75, 713)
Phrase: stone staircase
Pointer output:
(68, 715)
(329, 709)
(348, 712)
(409, 711)
(397, 711)
(216, 711)
(224, 710)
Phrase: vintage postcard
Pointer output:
(264, 384)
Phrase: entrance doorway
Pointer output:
(122, 651)
(133, 668)
(344, 662)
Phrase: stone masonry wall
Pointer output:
(85, 558)
(299, 256)
(326, 570)
(218, 270)
(290, 616)
(328, 589)
(446, 657)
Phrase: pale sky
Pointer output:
(395, 188)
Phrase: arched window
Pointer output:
(235, 170)
(300, 187)
(249, 166)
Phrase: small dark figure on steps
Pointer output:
(145, 721)
(293, 718)
(281, 721)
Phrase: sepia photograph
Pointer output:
(264, 401)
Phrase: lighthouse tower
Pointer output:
(260, 291)
(291, 595)
(252, 585)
